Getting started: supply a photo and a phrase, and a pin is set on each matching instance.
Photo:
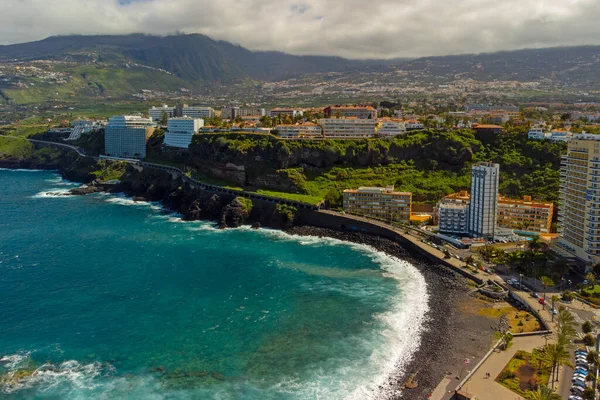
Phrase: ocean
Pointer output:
(103, 297)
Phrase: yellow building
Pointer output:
(381, 203)
(525, 215)
(579, 214)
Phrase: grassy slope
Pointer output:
(89, 82)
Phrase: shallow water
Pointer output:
(103, 297)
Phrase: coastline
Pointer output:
(442, 344)
(450, 333)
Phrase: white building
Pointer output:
(538, 134)
(391, 127)
(156, 113)
(180, 131)
(347, 128)
(292, 112)
(579, 214)
(453, 213)
(183, 110)
(414, 124)
(483, 206)
(560, 135)
(126, 136)
(306, 130)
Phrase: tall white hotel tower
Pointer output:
(579, 212)
(484, 200)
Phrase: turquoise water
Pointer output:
(101, 297)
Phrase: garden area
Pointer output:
(518, 321)
(524, 373)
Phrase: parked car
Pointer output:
(579, 384)
(581, 370)
(534, 295)
(577, 390)
(578, 380)
(542, 301)
(585, 353)
(554, 311)
(573, 397)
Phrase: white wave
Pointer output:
(52, 193)
(59, 180)
(401, 337)
(14, 361)
(23, 170)
(69, 375)
(127, 201)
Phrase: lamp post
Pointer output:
(520, 281)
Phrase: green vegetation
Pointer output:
(109, 170)
(524, 372)
(430, 163)
(20, 150)
(292, 196)
(288, 212)
(246, 204)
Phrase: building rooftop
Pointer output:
(486, 126)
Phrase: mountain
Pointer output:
(194, 57)
(80, 69)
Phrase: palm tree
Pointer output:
(594, 359)
(546, 282)
(555, 354)
(506, 337)
(591, 278)
(565, 331)
(543, 393)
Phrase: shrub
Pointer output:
(567, 296)
(586, 327)
(588, 340)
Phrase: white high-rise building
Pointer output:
(126, 136)
(180, 131)
(183, 110)
(483, 206)
(156, 113)
(347, 128)
(579, 214)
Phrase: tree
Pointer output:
(469, 260)
(556, 354)
(164, 118)
(543, 393)
(506, 338)
(588, 394)
(589, 340)
(546, 282)
(594, 359)
(565, 331)
(586, 327)
(591, 278)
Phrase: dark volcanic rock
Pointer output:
(233, 215)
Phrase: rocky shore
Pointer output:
(454, 331)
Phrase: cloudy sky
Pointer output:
(348, 28)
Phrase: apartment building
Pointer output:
(180, 131)
(307, 130)
(579, 216)
(483, 206)
(362, 112)
(242, 112)
(194, 112)
(156, 113)
(413, 124)
(292, 112)
(538, 133)
(453, 213)
(126, 136)
(525, 215)
(388, 127)
(347, 128)
(381, 203)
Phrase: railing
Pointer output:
(191, 181)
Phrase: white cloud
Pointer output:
(349, 28)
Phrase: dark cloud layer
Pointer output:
(348, 28)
